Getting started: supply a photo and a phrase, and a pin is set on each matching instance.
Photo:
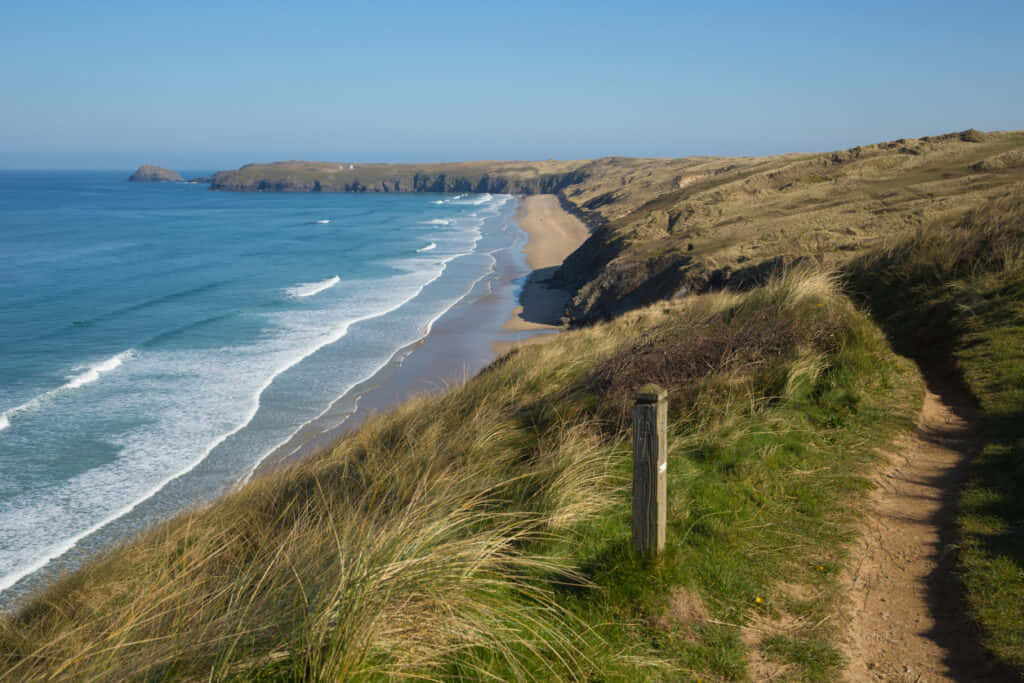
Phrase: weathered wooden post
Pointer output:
(650, 447)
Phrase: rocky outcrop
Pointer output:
(148, 173)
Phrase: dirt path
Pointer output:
(907, 620)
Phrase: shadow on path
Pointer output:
(953, 631)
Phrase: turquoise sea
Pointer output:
(158, 341)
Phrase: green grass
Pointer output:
(764, 486)
(485, 533)
(953, 295)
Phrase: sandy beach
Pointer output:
(554, 234)
(519, 308)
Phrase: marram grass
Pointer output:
(484, 534)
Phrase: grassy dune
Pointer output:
(697, 224)
(485, 533)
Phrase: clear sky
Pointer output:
(215, 85)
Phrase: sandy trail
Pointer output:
(907, 619)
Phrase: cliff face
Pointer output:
(148, 173)
(495, 177)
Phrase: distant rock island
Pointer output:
(148, 173)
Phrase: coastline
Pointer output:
(517, 307)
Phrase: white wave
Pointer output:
(91, 374)
(432, 245)
(436, 221)
(324, 221)
(477, 200)
(304, 289)
(450, 200)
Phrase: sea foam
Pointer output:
(432, 245)
(423, 331)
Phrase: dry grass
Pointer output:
(745, 218)
(789, 319)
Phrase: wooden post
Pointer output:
(650, 447)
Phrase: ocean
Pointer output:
(158, 341)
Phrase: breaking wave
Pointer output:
(304, 289)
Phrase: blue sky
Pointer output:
(216, 85)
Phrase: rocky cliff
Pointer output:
(495, 177)
(148, 173)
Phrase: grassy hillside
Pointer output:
(670, 227)
(485, 533)
(952, 295)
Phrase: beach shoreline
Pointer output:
(518, 307)
(553, 234)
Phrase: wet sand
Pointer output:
(465, 339)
